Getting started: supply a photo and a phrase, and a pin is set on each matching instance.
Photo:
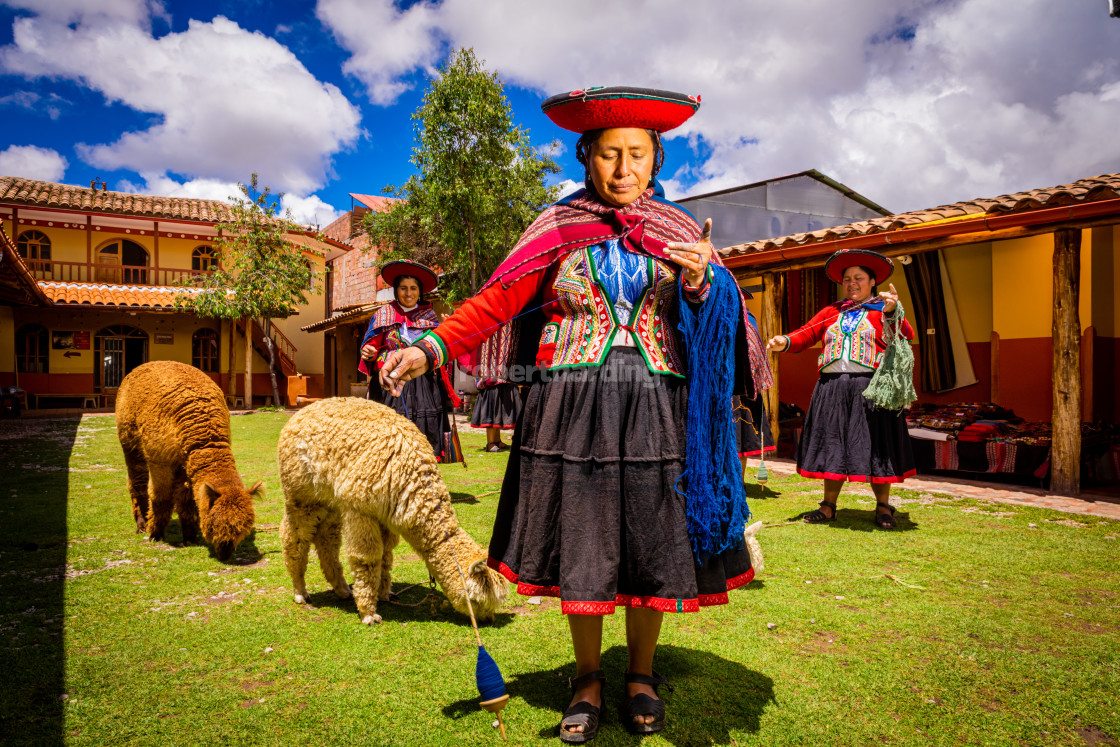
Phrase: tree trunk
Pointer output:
(248, 363)
(770, 324)
(1065, 440)
(266, 325)
(474, 262)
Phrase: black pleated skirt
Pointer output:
(752, 430)
(421, 401)
(497, 407)
(589, 510)
(845, 437)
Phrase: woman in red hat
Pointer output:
(397, 325)
(845, 437)
(635, 336)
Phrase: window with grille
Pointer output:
(32, 344)
(204, 350)
(204, 259)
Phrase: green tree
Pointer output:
(261, 274)
(479, 182)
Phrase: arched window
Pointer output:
(204, 259)
(35, 246)
(204, 350)
(122, 261)
(32, 344)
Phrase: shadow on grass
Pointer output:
(755, 491)
(457, 497)
(859, 520)
(713, 697)
(410, 605)
(33, 554)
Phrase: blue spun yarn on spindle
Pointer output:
(488, 677)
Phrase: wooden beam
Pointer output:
(994, 376)
(770, 324)
(1065, 443)
(916, 247)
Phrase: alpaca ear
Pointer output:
(478, 566)
(210, 493)
(257, 491)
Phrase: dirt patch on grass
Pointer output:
(254, 685)
(222, 597)
(1096, 737)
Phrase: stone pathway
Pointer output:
(1094, 505)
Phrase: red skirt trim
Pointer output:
(621, 600)
(756, 452)
(857, 478)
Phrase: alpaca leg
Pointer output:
(187, 509)
(328, 544)
(296, 530)
(389, 540)
(161, 500)
(366, 552)
(137, 468)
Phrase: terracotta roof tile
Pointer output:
(1092, 189)
(98, 294)
(36, 193)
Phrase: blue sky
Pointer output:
(913, 103)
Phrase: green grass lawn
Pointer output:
(975, 623)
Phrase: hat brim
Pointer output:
(398, 267)
(620, 106)
(880, 266)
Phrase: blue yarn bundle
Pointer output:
(715, 500)
(488, 677)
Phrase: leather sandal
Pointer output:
(583, 713)
(819, 517)
(493, 447)
(884, 520)
(643, 705)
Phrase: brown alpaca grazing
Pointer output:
(173, 425)
(356, 470)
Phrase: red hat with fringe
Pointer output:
(423, 274)
(881, 266)
(620, 106)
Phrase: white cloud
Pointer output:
(912, 102)
(567, 187)
(310, 210)
(32, 162)
(229, 102)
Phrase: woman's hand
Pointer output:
(777, 343)
(369, 352)
(890, 299)
(401, 366)
(693, 258)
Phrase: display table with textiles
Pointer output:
(982, 437)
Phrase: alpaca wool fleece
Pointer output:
(354, 470)
(173, 425)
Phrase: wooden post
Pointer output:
(994, 396)
(1065, 445)
(248, 363)
(770, 324)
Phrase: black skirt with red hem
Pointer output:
(752, 429)
(496, 406)
(589, 510)
(845, 437)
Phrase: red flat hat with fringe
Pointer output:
(880, 266)
(424, 275)
(620, 106)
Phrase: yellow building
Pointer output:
(109, 265)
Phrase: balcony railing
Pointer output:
(88, 272)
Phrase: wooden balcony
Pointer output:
(88, 272)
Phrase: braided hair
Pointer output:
(589, 138)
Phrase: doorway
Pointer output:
(119, 350)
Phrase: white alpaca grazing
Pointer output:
(357, 471)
